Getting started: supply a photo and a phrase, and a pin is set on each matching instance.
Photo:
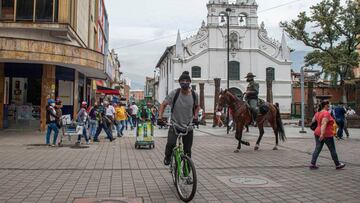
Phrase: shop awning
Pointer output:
(107, 91)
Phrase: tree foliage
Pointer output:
(332, 30)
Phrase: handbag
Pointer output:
(313, 125)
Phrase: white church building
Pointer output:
(204, 55)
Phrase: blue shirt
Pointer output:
(340, 113)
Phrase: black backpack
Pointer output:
(177, 96)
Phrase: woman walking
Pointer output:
(82, 119)
(324, 135)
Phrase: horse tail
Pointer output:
(280, 126)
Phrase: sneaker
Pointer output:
(112, 139)
(313, 167)
(87, 142)
(96, 140)
(166, 161)
(340, 166)
(53, 145)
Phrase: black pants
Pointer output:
(330, 143)
(171, 143)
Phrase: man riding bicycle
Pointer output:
(184, 104)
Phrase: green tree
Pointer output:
(332, 30)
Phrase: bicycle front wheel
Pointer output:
(186, 179)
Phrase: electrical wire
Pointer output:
(168, 36)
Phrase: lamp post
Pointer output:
(228, 10)
(154, 85)
(302, 80)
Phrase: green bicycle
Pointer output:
(182, 169)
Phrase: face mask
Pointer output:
(185, 86)
(52, 104)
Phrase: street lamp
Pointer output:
(154, 85)
(227, 14)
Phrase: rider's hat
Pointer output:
(250, 75)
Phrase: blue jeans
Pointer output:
(52, 127)
(341, 124)
(330, 143)
(120, 125)
(93, 126)
(129, 120)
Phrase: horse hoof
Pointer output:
(275, 148)
(247, 143)
(256, 148)
(237, 151)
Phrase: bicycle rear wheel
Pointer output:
(186, 180)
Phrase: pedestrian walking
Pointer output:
(134, 114)
(93, 121)
(51, 121)
(349, 113)
(120, 118)
(129, 118)
(110, 114)
(339, 114)
(324, 135)
(82, 119)
(103, 123)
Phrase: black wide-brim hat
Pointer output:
(250, 75)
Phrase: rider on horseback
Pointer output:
(252, 92)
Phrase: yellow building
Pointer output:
(49, 49)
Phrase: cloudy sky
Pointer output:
(140, 30)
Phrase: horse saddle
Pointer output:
(263, 107)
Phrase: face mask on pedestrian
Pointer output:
(184, 85)
(52, 104)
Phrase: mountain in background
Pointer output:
(138, 80)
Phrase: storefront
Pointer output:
(22, 93)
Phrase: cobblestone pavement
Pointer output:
(30, 172)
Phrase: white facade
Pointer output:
(250, 47)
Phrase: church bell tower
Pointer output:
(243, 13)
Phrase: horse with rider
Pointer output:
(252, 111)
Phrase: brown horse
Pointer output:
(242, 116)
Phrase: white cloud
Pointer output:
(134, 22)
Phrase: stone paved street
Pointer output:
(30, 172)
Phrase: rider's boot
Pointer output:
(254, 118)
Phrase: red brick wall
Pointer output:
(336, 93)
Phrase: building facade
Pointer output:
(136, 95)
(49, 49)
(149, 87)
(204, 55)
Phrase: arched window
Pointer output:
(270, 74)
(196, 72)
(234, 70)
(242, 20)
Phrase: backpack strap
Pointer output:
(177, 96)
(174, 100)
